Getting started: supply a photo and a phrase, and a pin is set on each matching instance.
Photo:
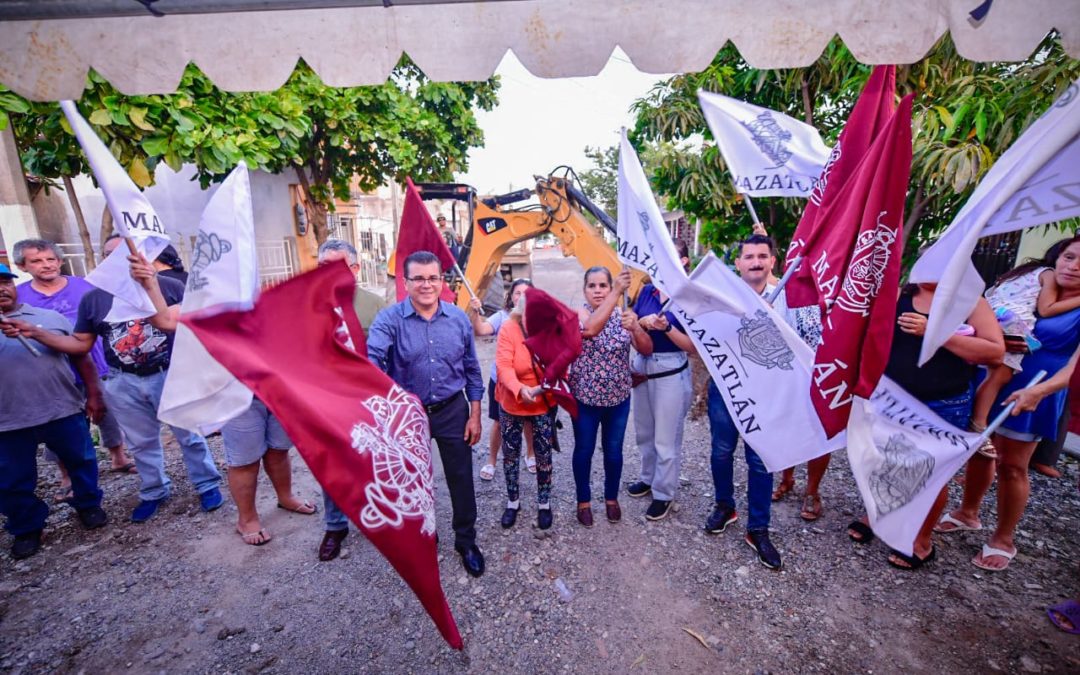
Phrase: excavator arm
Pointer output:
(496, 229)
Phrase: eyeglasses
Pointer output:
(424, 280)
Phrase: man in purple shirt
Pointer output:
(49, 289)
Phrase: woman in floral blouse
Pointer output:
(600, 381)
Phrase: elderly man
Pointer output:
(367, 306)
(138, 355)
(49, 289)
(39, 403)
(427, 347)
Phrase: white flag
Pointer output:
(645, 243)
(902, 454)
(200, 394)
(769, 154)
(132, 217)
(1036, 181)
(762, 369)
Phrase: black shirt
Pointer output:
(945, 375)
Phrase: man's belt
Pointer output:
(435, 407)
(143, 372)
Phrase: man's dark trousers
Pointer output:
(448, 431)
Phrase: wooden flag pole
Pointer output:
(23, 341)
(1004, 414)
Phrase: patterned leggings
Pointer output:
(511, 427)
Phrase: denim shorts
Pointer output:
(956, 410)
(250, 434)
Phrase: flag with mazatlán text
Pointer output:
(812, 283)
(1035, 182)
(768, 153)
(366, 439)
(857, 324)
(418, 233)
(133, 218)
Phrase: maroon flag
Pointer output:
(419, 233)
(857, 327)
(816, 282)
(555, 342)
(364, 437)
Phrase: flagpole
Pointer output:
(457, 269)
(1004, 414)
(750, 206)
(792, 268)
(23, 341)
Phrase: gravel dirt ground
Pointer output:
(182, 593)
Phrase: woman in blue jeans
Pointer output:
(944, 384)
(600, 381)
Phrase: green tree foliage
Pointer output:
(408, 126)
(966, 114)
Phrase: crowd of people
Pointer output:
(633, 358)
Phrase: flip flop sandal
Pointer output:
(305, 509)
(1068, 610)
(782, 489)
(864, 532)
(487, 472)
(989, 551)
(127, 468)
(811, 508)
(530, 464)
(64, 495)
(911, 562)
(256, 538)
(957, 525)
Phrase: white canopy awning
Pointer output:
(244, 51)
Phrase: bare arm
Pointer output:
(480, 325)
(681, 339)
(1050, 301)
(167, 316)
(639, 338)
(594, 324)
(76, 344)
(1028, 399)
(987, 346)
(95, 402)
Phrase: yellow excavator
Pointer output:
(496, 226)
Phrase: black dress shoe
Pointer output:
(543, 519)
(26, 545)
(509, 517)
(93, 517)
(330, 547)
(472, 560)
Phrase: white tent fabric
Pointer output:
(251, 51)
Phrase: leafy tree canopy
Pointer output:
(408, 126)
(966, 114)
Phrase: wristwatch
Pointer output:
(669, 327)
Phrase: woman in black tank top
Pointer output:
(943, 384)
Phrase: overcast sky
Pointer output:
(540, 124)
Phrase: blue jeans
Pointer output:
(135, 400)
(955, 410)
(725, 435)
(588, 423)
(335, 518)
(69, 438)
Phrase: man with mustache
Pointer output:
(39, 403)
(757, 256)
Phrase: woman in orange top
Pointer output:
(522, 400)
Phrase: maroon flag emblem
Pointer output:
(365, 438)
(857, 326)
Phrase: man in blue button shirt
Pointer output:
(427, 347)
